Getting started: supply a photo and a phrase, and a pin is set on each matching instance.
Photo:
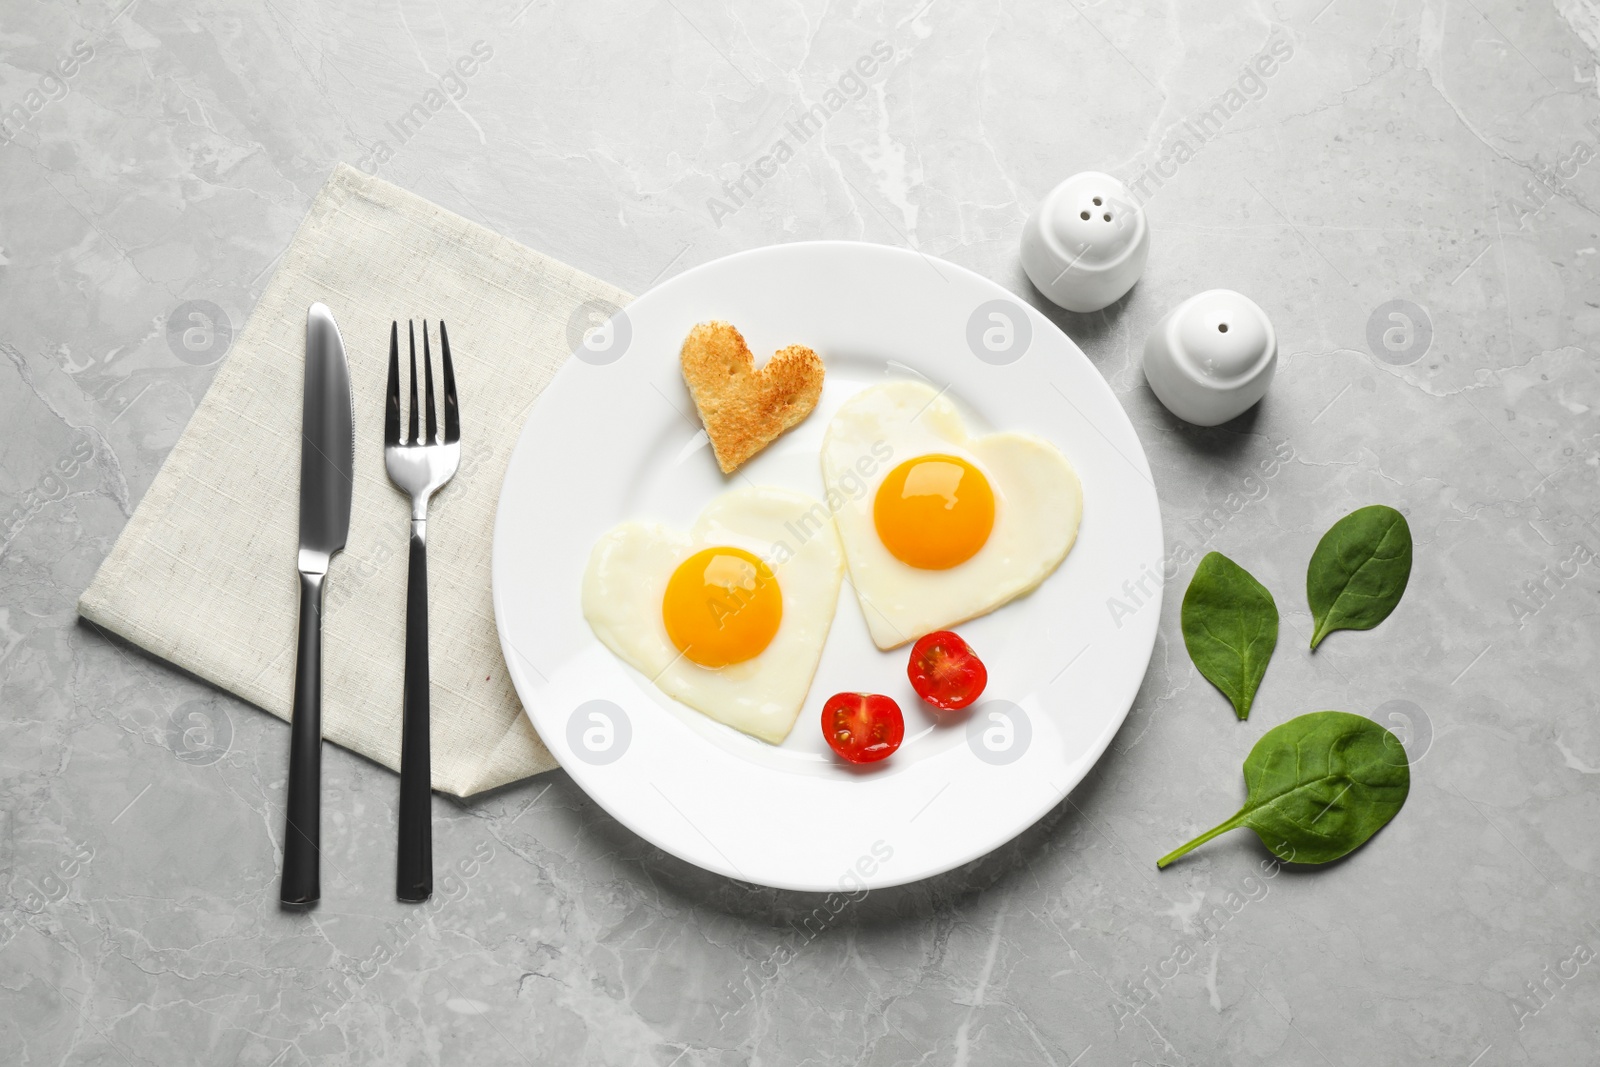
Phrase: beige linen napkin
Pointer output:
(204, 573)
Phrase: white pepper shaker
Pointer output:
(1086, 243)
(1211, 357)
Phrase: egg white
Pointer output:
(1038, 505)
(626, 580)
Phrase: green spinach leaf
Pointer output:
(1317, 787)
(1359, 571)
(1230, 626)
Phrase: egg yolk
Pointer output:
(722, 606)
(934, 512)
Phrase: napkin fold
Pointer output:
(204, 573)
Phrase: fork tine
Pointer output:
(411, 438)
(452, 415)
(391, 416)
(427, 381)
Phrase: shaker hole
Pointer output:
(1083, 215)
(1107, 216)
(1097, 201)
(1222, 327)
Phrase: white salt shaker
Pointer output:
(1211, 357)
(1086, 243)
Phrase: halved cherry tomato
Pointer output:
(945, 671)
(862, 727)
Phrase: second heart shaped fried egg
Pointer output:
(938, 526)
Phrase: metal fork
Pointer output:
(419, 466)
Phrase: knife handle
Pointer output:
(414, 866)
(302, 843)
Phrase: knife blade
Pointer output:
(327, 483)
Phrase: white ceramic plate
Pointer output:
(615, 437)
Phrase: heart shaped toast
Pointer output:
(744, 410)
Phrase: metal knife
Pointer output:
(327, 466)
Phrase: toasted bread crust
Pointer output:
(744, 410)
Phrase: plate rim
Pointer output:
(1092, 754)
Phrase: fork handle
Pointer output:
(414, 867)
(302, 845)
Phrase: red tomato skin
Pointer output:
(873, 726)
(945, 671)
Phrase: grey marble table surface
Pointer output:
(1410, 193)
